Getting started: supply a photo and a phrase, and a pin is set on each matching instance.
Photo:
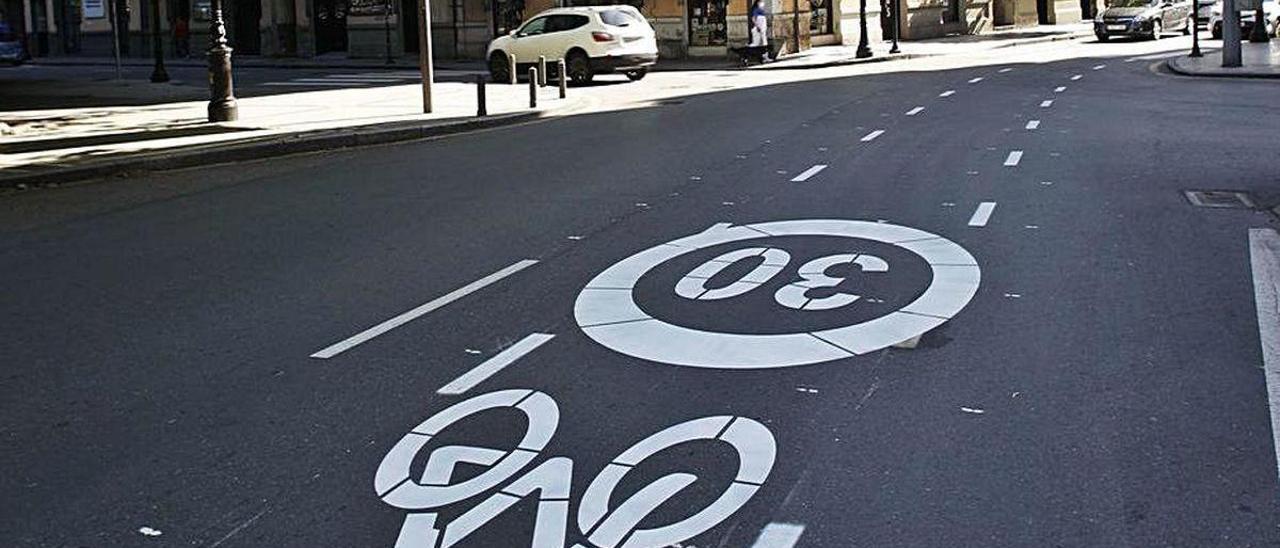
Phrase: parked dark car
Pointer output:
(11, 48)
(1143, 18)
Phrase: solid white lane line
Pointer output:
(495, 364)
(366, 335)
(1046, 104)
(806, 174)
(1264, 254)
(779, 535)
(1033, 124)
(1013, 159)
(872, 136)
(982, 214)
(1060, 89)
(915, 111)
(1077, 77)
(975, 80)
(947, 93)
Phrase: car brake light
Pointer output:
(602, 36)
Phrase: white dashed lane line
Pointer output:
(947, 93)
(1060, 89)
(982, 214)
(1099, 67)
(872, 136)
(1013, 158)
(779, 535)
(1046, 104)
(1077, 77)
(366, 335)
(1004, 70)
(915, 111)
(806, 174)
(1033, 124)
(975, 80)
(495, 364)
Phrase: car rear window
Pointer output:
(618, 18)
(558, 23)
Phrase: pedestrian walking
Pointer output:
(759, 25)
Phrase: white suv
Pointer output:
(591, 40)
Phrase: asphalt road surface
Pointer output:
(672, 325)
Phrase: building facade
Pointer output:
(461, 29)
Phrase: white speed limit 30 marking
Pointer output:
(607, 312)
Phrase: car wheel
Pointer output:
(1216, 33)
(579, 67)
(1103, 37)
(1156, 29)
(636, 75)
(499, 70)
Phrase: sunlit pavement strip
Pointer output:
(806, 174)
(947, 93)
(495, 364)
(915, 111)
(1046, 104)
(1013, 159)
(1264, 255)
(779, 535)
(1033, 124)
(366, 335)
(982, 214)
(872, 136)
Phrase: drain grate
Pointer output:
(1220, 198)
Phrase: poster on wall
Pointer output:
(370, 7)
(94, 9)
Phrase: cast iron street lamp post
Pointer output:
(1195, 29)
(222, 99)
(158, 74)
(864, 50)
(386, 28)
(893, 12)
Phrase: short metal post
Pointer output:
(542, 71)
(481, 108)
(560, 79)
(511, 69)
(533, 87)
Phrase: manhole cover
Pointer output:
(1219, 198)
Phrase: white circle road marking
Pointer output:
(607, 312)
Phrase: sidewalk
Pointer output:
(1259, 61)
(152, 127)
(62, 145)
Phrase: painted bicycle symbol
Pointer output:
(607, 312)
(603, 525)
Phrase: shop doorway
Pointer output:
(245, 38)
(1042, 12)
(331, 26)
(707, 26)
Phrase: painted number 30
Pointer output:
(793, 295)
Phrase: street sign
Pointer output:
(94, 9)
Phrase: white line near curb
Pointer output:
(1060, 89)
(779, 535)
(366, 335)
(1033, 124)
(1046, 104)
(495, 364)
(975, 80)
(872, 136)
(1015, 156)
(1264, 254)
(806, 174)
(982, 214)
(947, 93)
(915, 111)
